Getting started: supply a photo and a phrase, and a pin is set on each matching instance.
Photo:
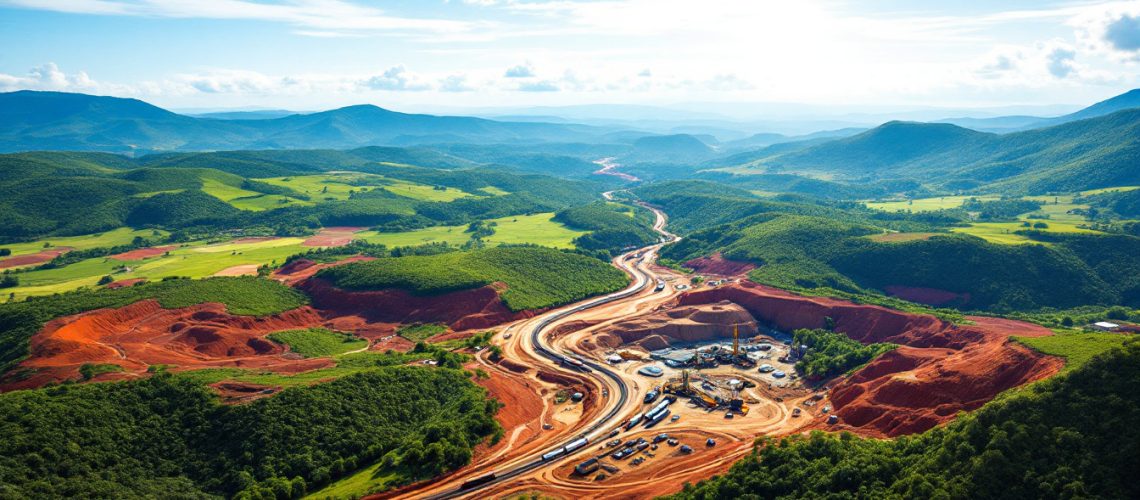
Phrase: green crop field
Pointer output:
(336, 186)
(1076, 347)
(538, 229)
(318, 342)
(926, 204)
(120, 236)
(245, 199)
(494, 191)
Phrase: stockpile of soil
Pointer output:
(692, 323)
(718, 265)
(941, 368)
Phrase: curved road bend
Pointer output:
(642, 279)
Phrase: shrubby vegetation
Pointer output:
(536, 277)
(245, 295)
(318, 342)
(830, 353)
(612, 227)
(168, 437)
(1067, 437)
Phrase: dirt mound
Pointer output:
(463, 310)
(35, 258)
(242, 392)
(941, 368)
(144, 334)
(143, 253)
(930, 296)
(302, 269)
(691, 323)
(332, 237)
(718, 265)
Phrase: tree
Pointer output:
(106, 280)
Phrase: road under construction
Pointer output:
(540, 454)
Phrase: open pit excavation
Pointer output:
(676, 386)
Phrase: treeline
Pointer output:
(1068, 437)
(168, 437)
(612, 227)
(830, 353)
(242, 295)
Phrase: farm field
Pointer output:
(368, 479)
(244, 199)
(194, 260)
(338, 186)
(926, 204)
(538, 229)
(115, 237)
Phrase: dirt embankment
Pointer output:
(302, 269)
(473, 309)
(690, 323)
(941, 368)
(718, 265)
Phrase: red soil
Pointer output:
(718, 265)
(143, 253)
(35, 258)
(941, 368)
(242, 270)
(931, 296)
(125, 283)
(332, 237)
(144, 334)
(478, 308)
(302, 269)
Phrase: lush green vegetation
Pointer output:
(1077, 347)
(1070, 436)
(830, 353)
(245, 296)
(421, 332)
(612, 226)
(535, 277)
(167, 436)
(318, 342)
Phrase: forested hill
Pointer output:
(1085, 154)
(32, 120)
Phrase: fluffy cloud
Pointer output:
(525, 70)
(1059, 61)
(455, 83)
(538, 86)
(48, 77)
(1124, 33)
(397, 78)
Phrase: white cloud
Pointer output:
(1059, 61)
(397, 78)
(1124, 33)
(538, 86)
(525, 70)
(48, 77)
(455, 83)
(318, 17)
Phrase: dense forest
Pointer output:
(1067, 437)
(167, 436)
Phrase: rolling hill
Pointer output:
(31, 120)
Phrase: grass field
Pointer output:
(318, 342)
(244, 199)
(195, 260)
(338, 186)
(115, 237)
(1076, 347)
(926, 204)
(538, 229)
(494, 191)
(419, 333)
(347, 364)
(371, 479)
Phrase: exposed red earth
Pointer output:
(143, 253)
(301, 269)
(332, 237)
(929, 296)
(940, 369)
(35, 258)
(125, 283)
(718, 265)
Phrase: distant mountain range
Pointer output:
(32, 120)
(1001, 124)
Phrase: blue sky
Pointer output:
(313, 54)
